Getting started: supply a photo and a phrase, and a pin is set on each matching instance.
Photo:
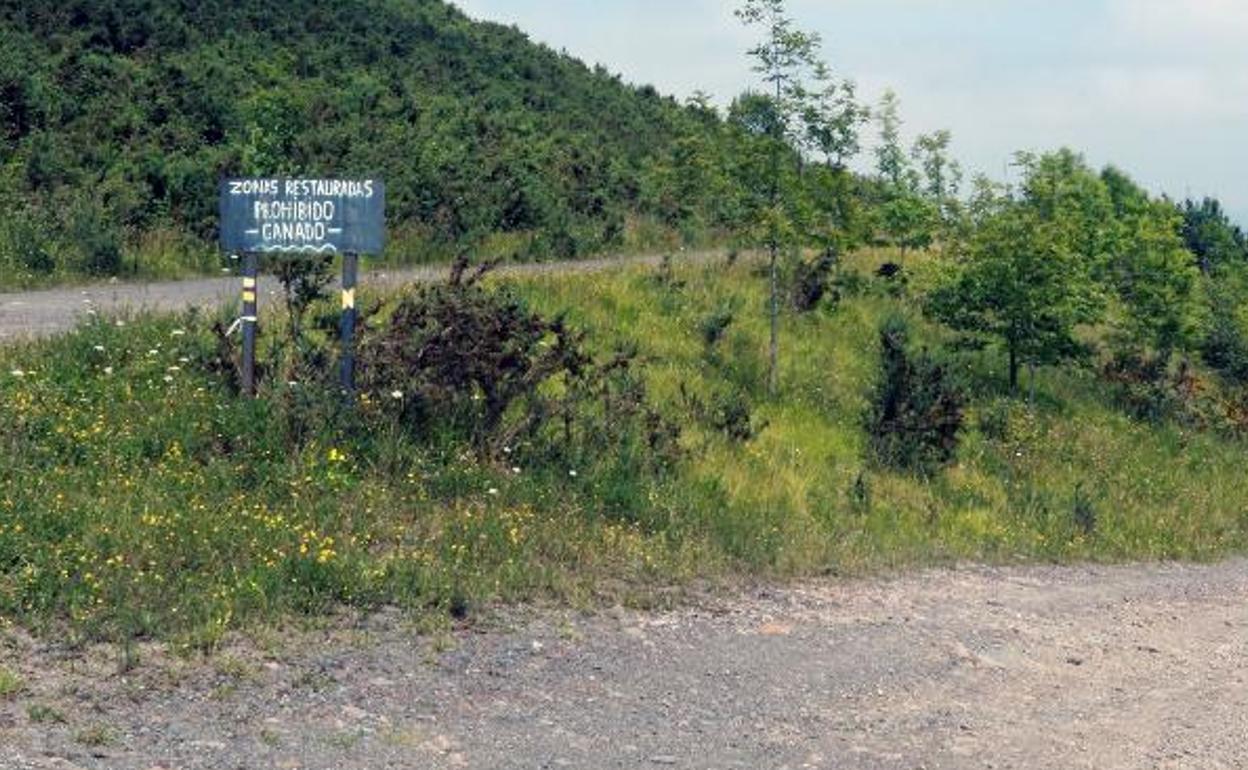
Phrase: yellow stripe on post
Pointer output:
(348, 299)
(249, 283)
(249, 296)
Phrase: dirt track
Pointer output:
(1135, 667)
(49, 311)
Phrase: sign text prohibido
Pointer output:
(303, 216)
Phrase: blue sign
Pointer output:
(303, 216)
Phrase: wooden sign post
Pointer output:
(350, 270)
(249, 319)
(302, 216)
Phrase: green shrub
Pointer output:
(916, 412)
(25, 246)
(465, 361)
(1225, 345)
(811, 282)
(95, 235)
(714, 326)
(728, 412)
(994, 421)
(1083, 512)
(1153, 389)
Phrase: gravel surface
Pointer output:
(1087, 667)
(51, 311)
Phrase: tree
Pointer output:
(831, 123)
(784, 59)
(1127, 196)
(908, 218)
(890, 158)
(942, 177)
(910, 221)
(1022, 284)
(832, 119)
(1211, 236)
(1061, 190)
(686, 186)
(1156, 282)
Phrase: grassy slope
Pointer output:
(145, 501)
(1159, 492)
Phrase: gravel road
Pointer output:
(51, 311)
(1087, 667)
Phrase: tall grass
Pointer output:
(139, 498)
(29, 259)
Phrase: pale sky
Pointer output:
(1157, 87)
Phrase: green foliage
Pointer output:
(890, 158)
(460, 360)
(1156, 282)
(786, 208)
(1225, 344)
(1151, 388)
(1211, 236)
(142, 498)
(1083, 511)
(916, 412)
(304, 281)
(910, 220)
(942, 176)
(812, 282)
(727, 412)
(10, 684)
(1023, 284)
(118, 118)
(832, 118)
(714, 326)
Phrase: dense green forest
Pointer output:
(119, 117)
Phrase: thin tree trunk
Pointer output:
(1013, 370)
(773, 375)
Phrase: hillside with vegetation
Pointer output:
(610, 440)
(893, 370)
(119, 118)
